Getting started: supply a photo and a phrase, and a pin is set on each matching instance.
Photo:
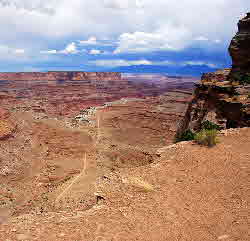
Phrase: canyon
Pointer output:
(50, 129)
(91, 156)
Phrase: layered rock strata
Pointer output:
(218, 76)
(60, 76)
(223, 97)
(240, 47)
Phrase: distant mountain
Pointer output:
(187, 70)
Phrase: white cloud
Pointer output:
(10, 51)
(53, 19)
(121, 4)
(199, 63)
(34, 6)
(217, 41)
(70, 49)
(139, 25)
(201, 38)
(4, 49)
(111, 63)
(90, 41)
(120, 62)
(95, 51)
(163, 39)
(205, 39)
(53, 51)
(19, 51)
(139, 3)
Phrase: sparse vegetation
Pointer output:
(206, 137)
(139, 183)
(242, 78)
(208, 125)
(187, 135)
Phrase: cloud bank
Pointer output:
(116, 27)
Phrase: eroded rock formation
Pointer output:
(240, 47)
(6, 126)
(60, 76)
(218, 76)
(223, 97)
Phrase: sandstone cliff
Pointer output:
(223, 97)
(240, 51)
(60, 76)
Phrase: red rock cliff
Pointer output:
(60, 76)
(223, 97)
(239, 48)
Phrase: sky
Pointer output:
(118, 35)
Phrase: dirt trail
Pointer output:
(46, 156)
(190, 193)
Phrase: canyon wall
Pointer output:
(60, 76)
(218, 76)
(239, 49)
(223, 97)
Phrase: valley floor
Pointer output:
(97, 162)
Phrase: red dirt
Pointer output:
(113, 176)
(198, 193)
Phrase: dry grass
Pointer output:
(207, 137)
(139, 183)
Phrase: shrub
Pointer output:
(206, 137)
(187, 135)
(242, 78)
(208, 125)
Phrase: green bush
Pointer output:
(242, 78)
(208, 125)
(187, 135)
(206, 137)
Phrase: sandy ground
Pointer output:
(188, 193)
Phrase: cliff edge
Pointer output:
(239, 50)
(223, 97)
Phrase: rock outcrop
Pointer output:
(218, 76)
(223, 97)
(7, 128)
(60, 76)
(240, 48)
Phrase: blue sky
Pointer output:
(126, 35)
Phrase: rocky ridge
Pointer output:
(60, 76)
(223, 97)
(240, 50)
